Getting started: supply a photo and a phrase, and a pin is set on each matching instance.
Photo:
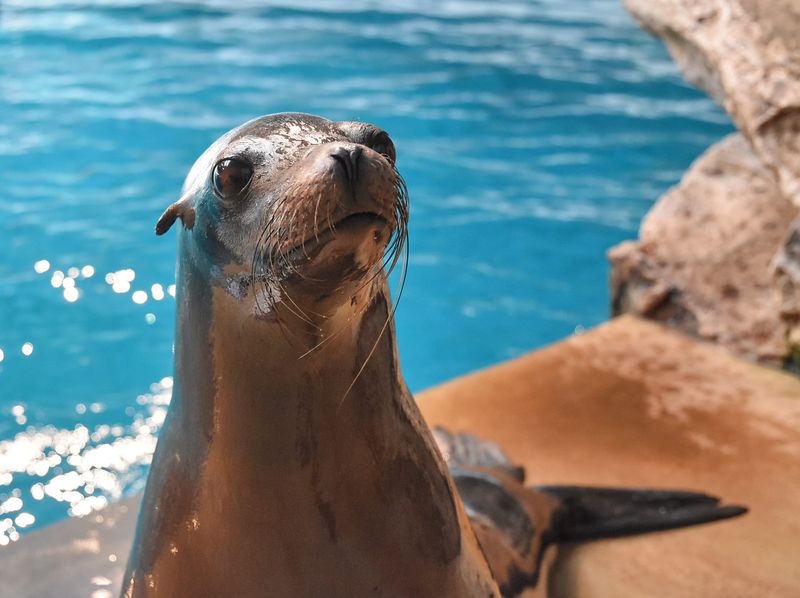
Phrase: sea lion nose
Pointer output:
(346, 157)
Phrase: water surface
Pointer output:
(533, 136)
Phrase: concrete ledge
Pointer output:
(628, 404)
(77, 558)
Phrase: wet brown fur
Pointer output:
(294, 462)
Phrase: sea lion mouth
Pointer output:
(352, 225)
(304, 252)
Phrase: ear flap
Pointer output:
(180, 209)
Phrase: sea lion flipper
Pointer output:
(180, 209)
(587, 513)
(468, 450)
(515, 523)
(511, 523)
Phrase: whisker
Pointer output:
(316, 211)
(272, 251)
(272, 265)
(402, 248)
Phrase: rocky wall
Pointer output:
(719, 255)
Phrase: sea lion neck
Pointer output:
(276, 384)
(314, 484)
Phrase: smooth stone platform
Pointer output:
(628, 404)
(77, 558)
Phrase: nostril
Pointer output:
(347, 158)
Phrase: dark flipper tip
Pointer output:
(593, 513)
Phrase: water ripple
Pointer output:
(533, 135)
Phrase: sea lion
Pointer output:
(293, 460)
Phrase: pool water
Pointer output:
(533, 136)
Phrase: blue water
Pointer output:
(533, 135)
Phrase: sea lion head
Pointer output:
(294, 214)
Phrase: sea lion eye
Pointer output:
(231, 177)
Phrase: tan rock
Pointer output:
(746, 55)
(787, 279)
(702, 263)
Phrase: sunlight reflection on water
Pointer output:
(82, 468)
